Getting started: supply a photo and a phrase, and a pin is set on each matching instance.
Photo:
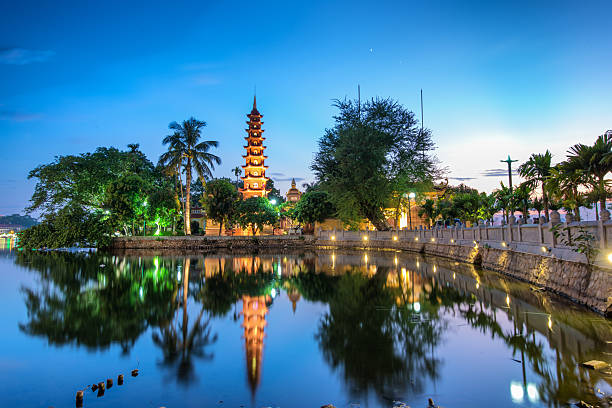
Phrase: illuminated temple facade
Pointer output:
(254, 179)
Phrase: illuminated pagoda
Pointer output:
(254, 310)
(254, 179)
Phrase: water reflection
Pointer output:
(387, 319)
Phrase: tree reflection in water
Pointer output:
(381, 332)
(180, 343)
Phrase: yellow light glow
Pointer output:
(395, 260)
(477, 285)
(549, 323)
(508, 300)
(434, 268)
(544, 249)
(474, 242)
(452, 241)
(333, 237)
(365, 237)
(395, 238)
(418, 264)
(433, 240)
(416, 238)
(454, 275)
(365, 258)
(503, 244)
(610, 257)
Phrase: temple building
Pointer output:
(254, 179)
(293, 195)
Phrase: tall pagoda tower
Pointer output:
(254, 179)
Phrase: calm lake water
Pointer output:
(288, 330)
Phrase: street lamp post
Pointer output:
(509, 161)
(410, 197)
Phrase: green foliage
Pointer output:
(582, 241)
(427, 210)
(537, 172)
(186, 151)
(373, 150)
(255, 212)
(20, 220)
(220, 200)
(126, 200)
(313, 207)
(69, 227)
(82, 180)
(274, 193)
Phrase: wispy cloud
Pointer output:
(19, 116)
(22, 56)
(497, 173)
(297, 179)
(278, 174)
(462, 178)
(205, 79)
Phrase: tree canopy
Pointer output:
(374, 150)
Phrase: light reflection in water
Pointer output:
(181, 301)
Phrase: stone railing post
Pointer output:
(555, 218)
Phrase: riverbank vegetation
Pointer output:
(372, 164)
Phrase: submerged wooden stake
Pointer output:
(109, 382)
(134, 373)
(79, 398)
(120, 379)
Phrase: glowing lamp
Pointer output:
(433, 240)
(395, 238)
(333, 237)
(365, 237)
(416, 238)
(273, 201)
(610, 257)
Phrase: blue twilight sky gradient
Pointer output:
(498, 77)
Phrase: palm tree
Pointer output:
(538, 206)
(565, 181)
(237, 172)
(522, 195)
(504, 201)
(596, 162)
(536, 171)
(185, 150)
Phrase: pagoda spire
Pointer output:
(254, 179)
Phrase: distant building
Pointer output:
(9, 228)
(608, 133)
(293, 195)
(254, 179)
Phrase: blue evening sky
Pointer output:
(498, 78)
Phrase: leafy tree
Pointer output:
(274, 193)
(537, 171)
(186, 151)
(125, 199)
(163, 207)
(427, 210)
(565, 181)
(373, 150)
(81, 180)
(487, 206)
(255, 212)
(70, 226)
(314, 206)
(220, 201)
